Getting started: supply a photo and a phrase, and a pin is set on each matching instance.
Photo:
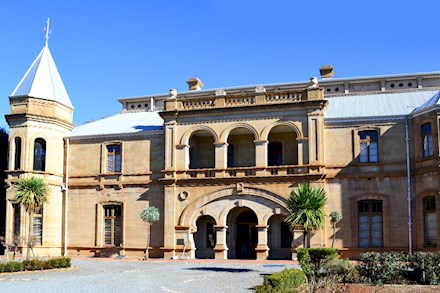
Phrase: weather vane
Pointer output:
(48, 31)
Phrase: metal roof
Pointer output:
(376, 105)
(42, 80)
(435, 100)
(121, 123)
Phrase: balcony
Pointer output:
(246, 172)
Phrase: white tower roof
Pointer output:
(42, 80)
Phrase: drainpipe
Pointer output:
(66, 195)
(408, 174)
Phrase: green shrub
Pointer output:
(312, 259)
(35, 264)
(425, 267)
(384, 268)
(284, 281)
(343, 270)
(12, 266)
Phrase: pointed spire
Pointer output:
(42, 80)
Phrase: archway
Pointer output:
(204, 238)
(241, 148)
(282, 148)
(202, 151)
(279, 238)
(242, 237)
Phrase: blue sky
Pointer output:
(110, 49)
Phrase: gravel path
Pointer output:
(150, 276)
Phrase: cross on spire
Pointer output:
(48, 31)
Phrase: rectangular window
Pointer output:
(38, 226)
(114, 158)
(113, 225)
(427, 140)
(368, 147)
(370, 221)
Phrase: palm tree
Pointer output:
(151, 216)
(335, 217)
(306, 208)
(32, 193)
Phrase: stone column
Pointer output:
(262, 249)
(261, 156)
(221, 248)
(221, 151)
(182, 157)
(169, 222)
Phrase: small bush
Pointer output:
(384, 268)
(343, 270)
(35, 264)
(284, 281)
(425, 268)
(312, 259)
(11, 266)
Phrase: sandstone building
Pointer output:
(219, 164)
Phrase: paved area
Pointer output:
(132, 275)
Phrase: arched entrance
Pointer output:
(242, 237)
(204, 238)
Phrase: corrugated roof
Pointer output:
(121, 123)
(42, 80)
(376, 105)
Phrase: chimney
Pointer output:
(194, 84)
(327, 71)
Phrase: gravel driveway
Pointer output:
(150, 276)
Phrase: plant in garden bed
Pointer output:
(306, 208)
(313, 259)
(35, 264)
(426, 268)
(284, 281)
(149, 215)
(32, 193)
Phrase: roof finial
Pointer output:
(48, 31)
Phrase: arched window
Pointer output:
(430, 221)
(40, 155)
(17, 157)
(370, 219)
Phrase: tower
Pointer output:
(39, 119)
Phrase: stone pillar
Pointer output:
(221, 151)
(169, 222)
(261, 153)
(182, 157)
(262, 249)
(221, 248)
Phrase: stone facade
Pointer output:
(223, 163)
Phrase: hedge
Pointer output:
(35, 264)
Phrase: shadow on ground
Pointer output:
(216, 269)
